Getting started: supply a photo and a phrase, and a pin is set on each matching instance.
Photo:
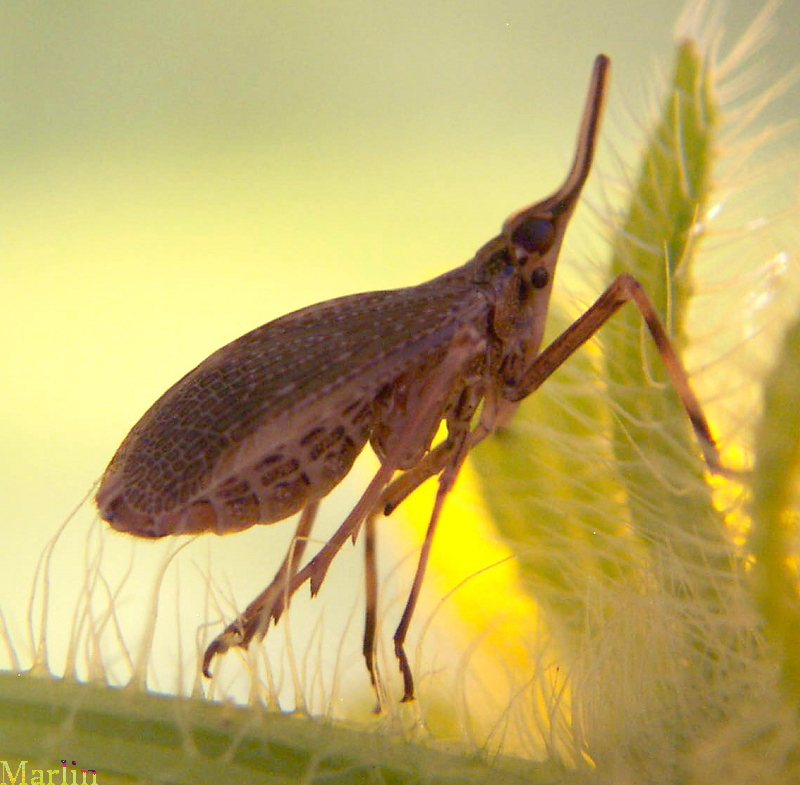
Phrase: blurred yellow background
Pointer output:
(175, 174)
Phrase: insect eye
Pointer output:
(534, 235)
(539, 278)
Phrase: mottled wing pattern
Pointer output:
(276, 418)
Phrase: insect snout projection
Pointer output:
(266, 426)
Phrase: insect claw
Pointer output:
(218, 646)
(239, 633)
(405, 670)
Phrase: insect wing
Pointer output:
(286, 406)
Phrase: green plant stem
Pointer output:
(128, 735)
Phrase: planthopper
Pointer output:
(266, 426)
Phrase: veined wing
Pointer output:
(271, 387)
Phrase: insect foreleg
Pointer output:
(625, 288)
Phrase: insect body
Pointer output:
(269, 424)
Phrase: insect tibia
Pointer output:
(625, 288)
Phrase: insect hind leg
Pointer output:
(255, 619)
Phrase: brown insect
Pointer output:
(269, 424)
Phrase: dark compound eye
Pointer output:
(539, 278)
(534, 235)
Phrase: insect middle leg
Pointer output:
(371, 603)
(446, 480)
(432, 463)
(445, 460)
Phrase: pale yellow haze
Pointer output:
(176, 174)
